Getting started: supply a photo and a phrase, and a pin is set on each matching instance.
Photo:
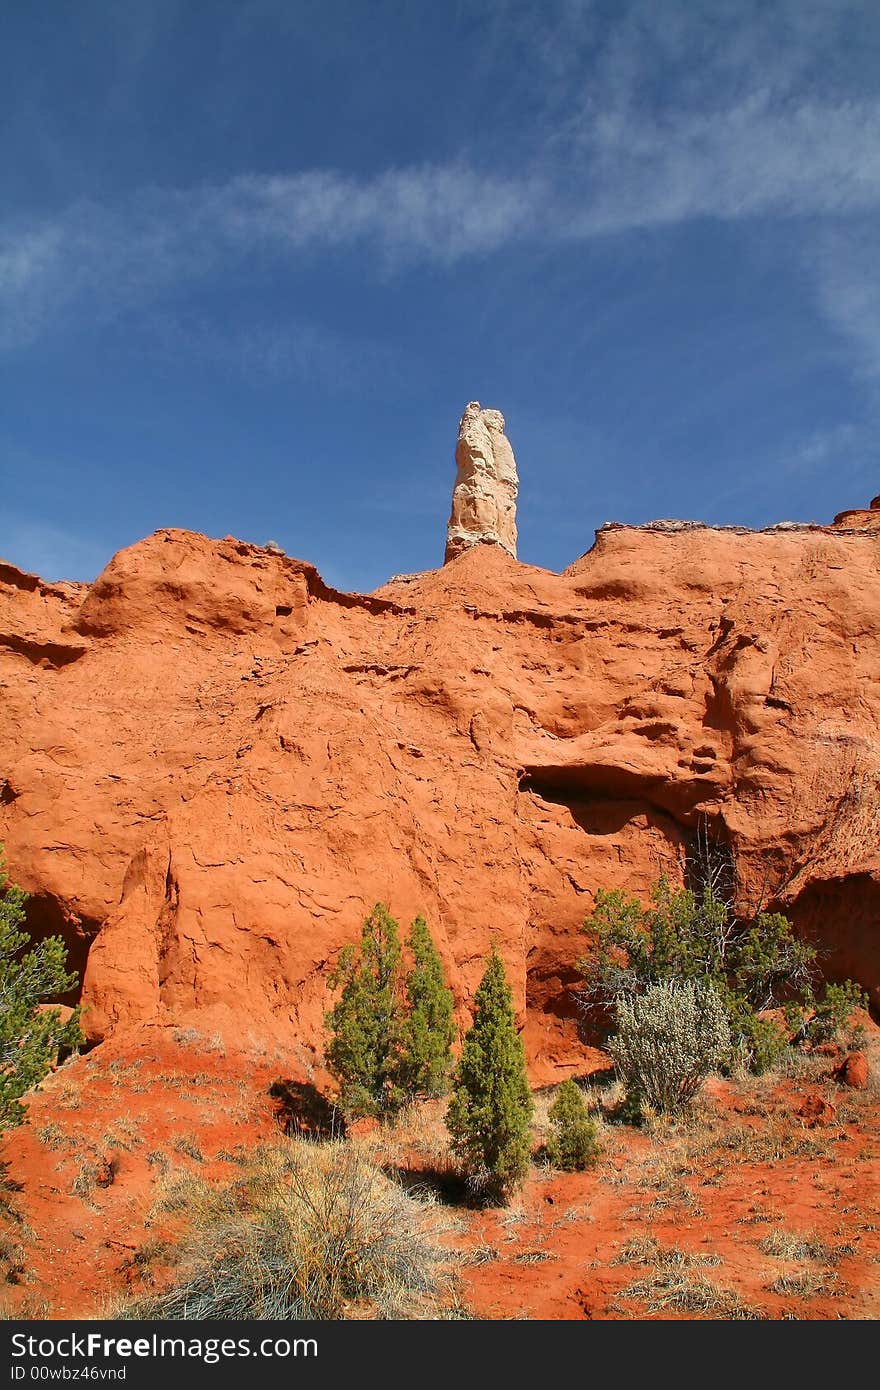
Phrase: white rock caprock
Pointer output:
(484, 496)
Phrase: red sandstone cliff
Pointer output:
(213, 764)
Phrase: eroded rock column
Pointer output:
(484, 496)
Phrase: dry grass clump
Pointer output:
(306, 1231)
(69, 1097)
(13, 1266)
(188, 1145)
(691, 1293)
(417, 1132)
(786, 1245)
(645, 1250)
(807, 1283)
(52, 1136)
(123, 1133)
(480, 1255)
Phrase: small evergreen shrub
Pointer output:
(573, 1144)
(668, 1040)
(832, 1015)
(428, 1031)
(390, 1036)
(490, 1112)
(366, 1023)
(759, 1042)
(30, 1037)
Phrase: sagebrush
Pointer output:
(668, 1040)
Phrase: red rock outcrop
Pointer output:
(214, 764)
(854, 1071)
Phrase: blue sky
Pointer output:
(256, 256)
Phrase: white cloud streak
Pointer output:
(846, 270)
(749, 161)
(742, 132)
(112, 258)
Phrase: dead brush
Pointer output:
(53, 1136)
(480, 1255)
(417, 1130)
(12, 1258)
(188, 1145)
(808, 1283)
(646, 1250)
(307, 1231)
(770, 1145)
(786, 1245)
(799, 1065)
(122, 1134)
(674, 1288)
(663, 1175)
(69, 1097)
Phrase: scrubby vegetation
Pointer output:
(763, 974)
(30, 1037)
(574, 1142)
(491, 1107)
(331, 1228)
(429, 1030)
(668, 1040)
(390, 1037)
(305, 1231)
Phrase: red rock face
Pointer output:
(214, 765)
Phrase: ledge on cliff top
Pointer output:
(485, 574)
(177, 580)
(26, 582)
(671, 526)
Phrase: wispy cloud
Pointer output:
(846, 266)
(748, 124)
(753, 159)
(297, 349)
(113, 257)
(750, 160)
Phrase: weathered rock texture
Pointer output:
(484, 496)
(213, 764)
(868, 520)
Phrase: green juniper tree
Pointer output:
(491, 1106)
(30, 1037)
(573, 1144)
(429, 1031)
(366, 1024)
